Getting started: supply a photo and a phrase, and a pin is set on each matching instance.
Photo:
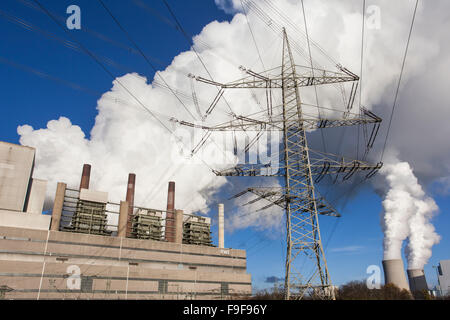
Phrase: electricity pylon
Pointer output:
(300, 166)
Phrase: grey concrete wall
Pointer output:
(24, 220)
(444, 276)
(58, 204)
(36, 196)
(16, 167)
(94, 196)
(116, 268)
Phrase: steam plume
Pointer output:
(407, 213)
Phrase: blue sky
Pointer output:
(355, 241)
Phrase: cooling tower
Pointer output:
(417, 281)
(394, 273)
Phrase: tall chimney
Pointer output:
(130, 200)
(221, 227)
(170, 215)
(85, 176)
(417, 281)
(394, 273)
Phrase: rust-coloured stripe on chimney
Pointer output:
(85, 176)
(170, 215)
(130, 199)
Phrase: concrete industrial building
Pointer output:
(91, 248)
(444, 277)
(21, 196)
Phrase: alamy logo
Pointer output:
(374, 280)
(374, 17)
(74, 20)
(74, 279)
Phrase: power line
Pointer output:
(259, 55)
(110, 74)
(184, 33)
(96, 34)
(270, 22)
(73, 46)
(400, 78)
(155, 13)
(186, 36)
(199, 43)
(271, 7)
(48, 76)
(345, 202)
(361, 70)
(322, 134)
(253, 36)
(144, 56)
(68, 44)
(181, 29)
(101, 65)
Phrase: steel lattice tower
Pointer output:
(300, 166)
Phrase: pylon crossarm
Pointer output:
(249, 170)
(306, 79)
(248, 124)
(276, 121)
(320, 166)
(324, 208)
(277, 196)
(326, 163)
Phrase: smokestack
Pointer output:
(130, 200)
(85, 176)
(170, 215)
(417, 281)
(221, 227)
(394, 273)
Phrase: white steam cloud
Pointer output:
(407, 213)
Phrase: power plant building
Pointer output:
(444, 277)
(92, 248)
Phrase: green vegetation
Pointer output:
(355, 290)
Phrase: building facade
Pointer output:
(87, 250)
(444, 277)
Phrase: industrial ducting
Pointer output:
(394, 273)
